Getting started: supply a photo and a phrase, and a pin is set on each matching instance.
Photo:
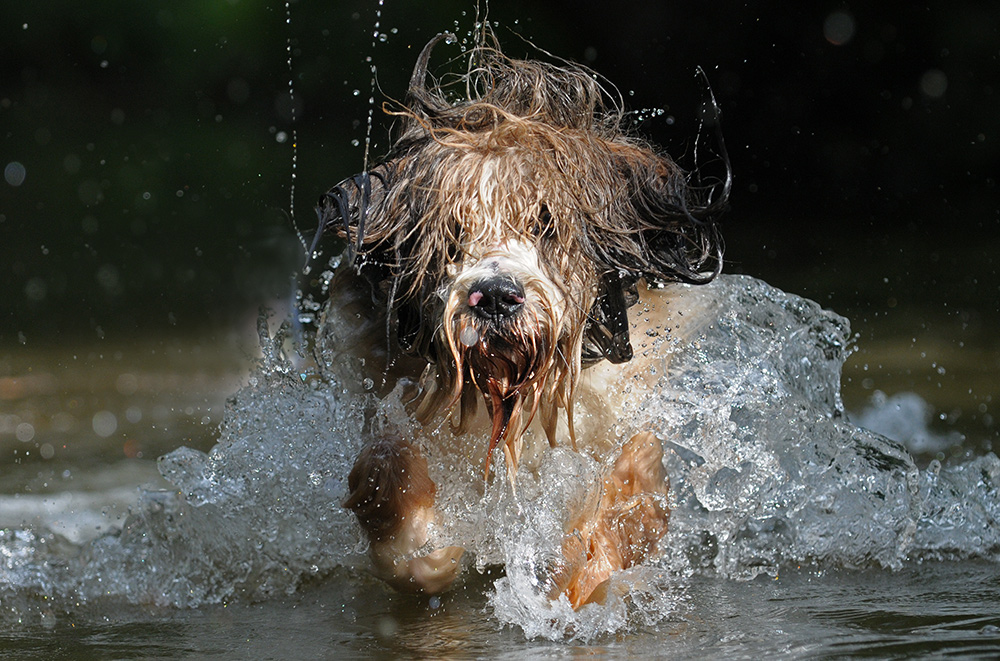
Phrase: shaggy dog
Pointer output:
(491, 263)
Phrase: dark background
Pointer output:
(864, 138)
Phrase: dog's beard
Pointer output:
(513, 363)
(506, 370)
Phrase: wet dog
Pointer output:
(492, 261)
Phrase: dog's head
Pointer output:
(506, 231)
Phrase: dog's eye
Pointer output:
(543, 227)
(453, 251)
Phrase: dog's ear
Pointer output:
(422, 100)
(345, 209)
(678, 224)
(660, 227)
(606, 335)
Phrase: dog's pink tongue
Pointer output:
(474, 298)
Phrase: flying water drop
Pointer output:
(469, 336)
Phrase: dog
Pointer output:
(492, 260)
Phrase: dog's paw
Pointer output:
(634, 503)
(431, 573)
(393, 498)
(627, 527)
(388, 485)
(639, 468)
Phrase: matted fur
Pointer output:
(536, 153)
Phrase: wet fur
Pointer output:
(522, 169)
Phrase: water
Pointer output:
(794, 531)
(289, 48)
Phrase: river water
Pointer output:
(795, 532)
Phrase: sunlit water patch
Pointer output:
(766, 471)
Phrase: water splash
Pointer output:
(905, 417)
(291, 99)
(766, 472)
(372, 83)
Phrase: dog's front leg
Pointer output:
(393, 497)
(624, 530)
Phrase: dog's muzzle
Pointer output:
(502, 332)
(496, 299)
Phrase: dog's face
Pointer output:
(507, 313)
(505, 233)
(514, 319)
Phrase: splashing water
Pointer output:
(765, 472)
(371, 95)
(906, 417)
(291, 100)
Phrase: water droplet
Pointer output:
(291, 97)
(469, 336)
(933, 83)
(15, 173)
(838, 28)
(24, 432)
(104, 423)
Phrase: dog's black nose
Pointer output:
(496, 298)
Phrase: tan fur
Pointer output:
(528, 179)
